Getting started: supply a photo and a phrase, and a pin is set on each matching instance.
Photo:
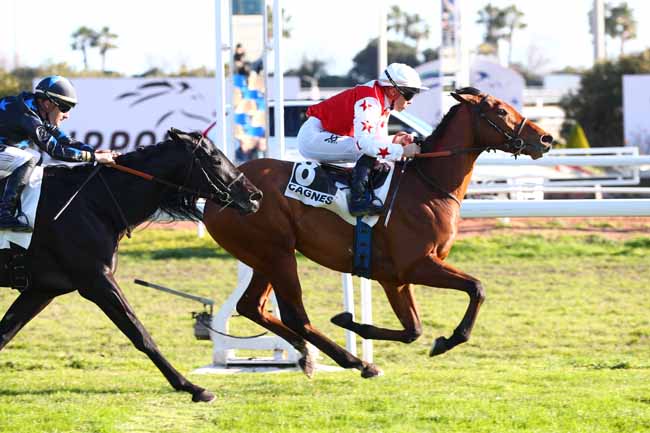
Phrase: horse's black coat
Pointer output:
(78, 250)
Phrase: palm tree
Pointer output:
(84, 38)
(495, 21)
(513, 20)
(105, 42)
(619, 23)
(411, 27)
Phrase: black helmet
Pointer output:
(59, 90)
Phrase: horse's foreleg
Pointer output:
(109, 297)
(26, 306)
(430, 271)
(402, 300)
(252, 305)
(284, 278)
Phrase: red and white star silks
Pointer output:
(361, 113)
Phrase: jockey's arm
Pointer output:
(58, 145)
(367, 121)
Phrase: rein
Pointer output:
(223, 196)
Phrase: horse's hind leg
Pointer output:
(284, 277)
(402, 300)
(252, 305)
(433, 272)
(28, 304)
(109, 297)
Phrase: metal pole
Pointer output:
(348, 305)
(222, 23)
(366, 317)
(382, 42)
(462, 54)
(278, 81)
(598, 27)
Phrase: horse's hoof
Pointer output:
(342, 319)
(203, 396)
(438, 347)
(371, 370)
(306, 364)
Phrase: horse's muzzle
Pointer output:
(253, 205)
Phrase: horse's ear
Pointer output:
(458, 97)
(467, 94)
(174, 134)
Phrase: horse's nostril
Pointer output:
(547, 139)
(257, 196)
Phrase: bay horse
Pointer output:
(411, 250)
(78, 250)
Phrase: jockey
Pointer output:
(34, 118)
(353, 126)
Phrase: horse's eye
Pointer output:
(501, 112)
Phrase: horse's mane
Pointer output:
(430, 141)
(177, 205)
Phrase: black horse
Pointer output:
(77, 251)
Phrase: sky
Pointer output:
(169, 34)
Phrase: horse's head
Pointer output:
(497, 125)
(217, 174)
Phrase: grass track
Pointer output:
(561, 344)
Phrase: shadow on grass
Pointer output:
(178, 253)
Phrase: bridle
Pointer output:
(514, 144)
(223, 196)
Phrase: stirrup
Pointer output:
(14, 224)
(366, 206)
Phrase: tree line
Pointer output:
(597, 107)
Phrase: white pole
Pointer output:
(598, 27)
(348, 305)
(222, 23)
(382, 42)
(366, 317)
(278, 82)
(463, 73)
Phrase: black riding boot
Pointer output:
(362, 200)
(15, 184)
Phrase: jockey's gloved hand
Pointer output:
(410, 150)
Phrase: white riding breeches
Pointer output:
(320, 145)
(13, 157)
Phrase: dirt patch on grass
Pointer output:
(610, 227)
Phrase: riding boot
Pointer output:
(9, 205)
(362, 200)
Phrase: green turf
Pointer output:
(562, 344)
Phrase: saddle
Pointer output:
(328, 186)
(343, 175)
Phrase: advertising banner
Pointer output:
(124, 113)
(636, 106)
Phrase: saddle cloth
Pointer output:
(29, 202)
(312, 185)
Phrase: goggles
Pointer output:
(64, 107)
(407, 92)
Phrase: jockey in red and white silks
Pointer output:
(353, 126)
(349, 124)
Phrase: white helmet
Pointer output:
(401, 76)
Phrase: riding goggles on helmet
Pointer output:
(407, 92)
(64, 107)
